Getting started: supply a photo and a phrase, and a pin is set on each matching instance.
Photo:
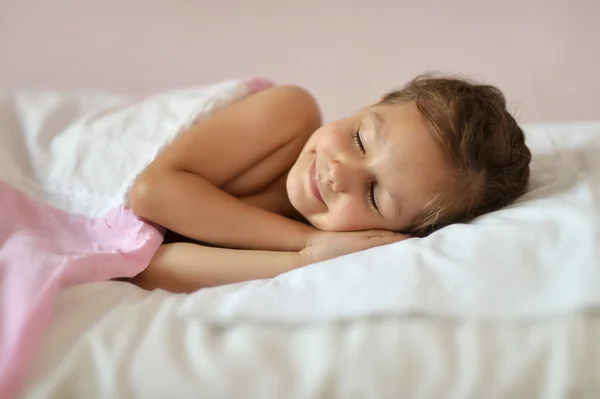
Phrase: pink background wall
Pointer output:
(545, 55)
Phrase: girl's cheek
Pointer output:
(347, 215)
(332, 138)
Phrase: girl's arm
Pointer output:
(185, 267)
(182, 189)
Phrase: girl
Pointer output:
(260, 188)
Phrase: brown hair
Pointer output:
(482, 141)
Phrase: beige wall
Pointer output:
(545, 55)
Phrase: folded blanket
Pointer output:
(67, 162)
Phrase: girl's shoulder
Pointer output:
(290, 102)
(265, 126)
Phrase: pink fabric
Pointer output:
(258, 84)
(43, 249)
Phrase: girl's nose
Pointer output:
(342, 176)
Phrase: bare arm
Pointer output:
(193, 207)
(184, 267)
(182, 189)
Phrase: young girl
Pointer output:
(260, 188)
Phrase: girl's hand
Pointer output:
(329, 245)
(319, 236)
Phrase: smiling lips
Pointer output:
(312, 178)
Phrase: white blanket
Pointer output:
(67, 161)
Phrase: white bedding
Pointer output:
(536, 261)
(108, 341)
(538, 257)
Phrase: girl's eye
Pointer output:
(371, 196)
(358, 141)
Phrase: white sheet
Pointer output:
(108, 342)
(81, 151)
(537, 257)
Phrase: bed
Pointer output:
(110, 340)
(505, 306)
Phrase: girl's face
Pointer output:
(374, 170)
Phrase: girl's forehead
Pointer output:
(413, 166)
(394, 117)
